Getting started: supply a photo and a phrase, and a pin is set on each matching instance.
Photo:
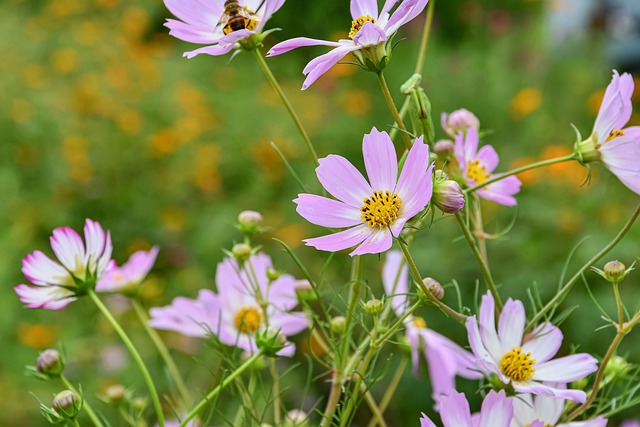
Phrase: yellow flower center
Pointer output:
(477, 173)
(381, 209)
(248, 319)
(419, 322)
(358, 23)
(517, 365)
(614, 134)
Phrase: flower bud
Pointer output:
(67, 404)
(616, 367)
(448, 196)
(615, 271)
(339, 325)
(249, 221)
(374, 307)
(305, 291)
(241, 252)
(271, 341)
(273, 274)
(295, 418)
(444, 148)
(138, 404)
(115, 394)
(459, 120)
(434, 287)
(49, 362)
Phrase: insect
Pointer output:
(236, 17)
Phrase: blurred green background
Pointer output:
(102, 118)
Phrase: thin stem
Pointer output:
(391, 389)
(75, 422)
(85, 405)
(134, 352)
(422, 53)
(213, 393)
(394, 110)
(616, 291)
(354, 294)
(163, 350)
(277, 412)
(481, 261)
(416, 275)
(375, 409)
(560, 296)
(392, 330)
(334, 399)
(287, 104)
(521, 169)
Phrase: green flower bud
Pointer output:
(615, 368)
(305, 291)
(374, 307)
(241, 252)
(115, 394)
(615, 271)
(67, 404)
(138, 404)
(295, 418)
(339, 325)
(273, 274)
(249, 222)
(50, 363)
(271, 341)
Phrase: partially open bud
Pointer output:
(615, 271)
(305, 291)
(374, 307)
(444, 148)
(434, 287)
(241, 252)
(459, 120)
(50, 363)
(67, 404)
(295, 418)
(271, 341)
(374, 57)
(448, 196)
(339, 325)
(249, 221)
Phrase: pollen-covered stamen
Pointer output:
(358, 23)
(477, 172)
(614, 134)
(248, 319)
(381, 209)
(517, 366)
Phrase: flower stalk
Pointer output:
(394, 111)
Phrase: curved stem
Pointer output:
(481, 261)
(287, 104)
(392, 330)
(85, 405)
(521, 169)
(561, 295)
(394, 110)
(134, 352)
(213, 393)
(163, 350)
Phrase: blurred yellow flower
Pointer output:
(174, 218)
(525, 102)
(594, 102)
(20, 110)
(35, 76)
(77, 157)
(205, 174)
(64, 60)
(129, 122)
(36, 335)
(356, 102)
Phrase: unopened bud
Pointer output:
(459, 120)
(241, 252)
(305, 291)
(49, 362)
(115, 393)
(434, 287)
(374, 307)
(448, 196)
(138, 404)
(616, 367)
(614, 271)
(67, 404)
(273, 274)
(339, 325)
(271, 341)
(295, 418)
(249, 221)
(444, 148)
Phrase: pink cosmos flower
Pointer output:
(497, 411)
(477, 167)
(235, 314)
(630, 423)
(130, 274)
(459, 121)
(617, 148)
(545, 411)
(375, 210)
(371, 29)
(524, 361)
(80, 266)
(200, 22)
(445, 359)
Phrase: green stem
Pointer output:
(213, 393)
(334, 399)
(75, 422)
(391, 389)
(375, 409)
(416, 275)
(422, 53)
(354, 294)
(394, 110)
(481, 261)
(616, 292)
(163, 350)
(521, 169)
(277, 414)
(287, 104)
(136, 356)
(564, 291)
(85, 405)
(392, 330)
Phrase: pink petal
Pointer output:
(407, 11)
(323, 63)
(566, 369)
(286, 46)
(487, 327)
(502, 191)
(380, 160)
(202, 13)
(342, 240)
(415, 185)
(511, 325)
(370, 35)
(466, 148)
(270, 7)
(426, 422)
(479, 350)
(543, 342)
(377, 242)
(41, 270)
(327, 212)
(191, 33)
(343, 181)
(395, 279)
(185, 316)
(497, 410)
(215, 50)
(47, 297)
(616, 107)
(535, 387)
(69, 248)
(364, 8)
(488, 157)
(454, 410)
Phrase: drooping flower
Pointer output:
(371, 29)
(130, 275)
(80, 267)
(375, 210)
(219, 24)
(477, 167)
(246, 304)
(496, 411)
(547, 411)
(524, 361)
(612, 144)
(445, 359)
(459, 121)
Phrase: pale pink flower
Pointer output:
(546, 411)
(477, 167)
(445, 359)
(617, 147)
(459, 121)
(524, 361)
(236, 314)
(497, 411)
(80, 267)
(630, 423)
(371, 28)
(130, 275)
(200, 22)
(376, 211)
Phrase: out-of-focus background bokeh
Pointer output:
(102, 118)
